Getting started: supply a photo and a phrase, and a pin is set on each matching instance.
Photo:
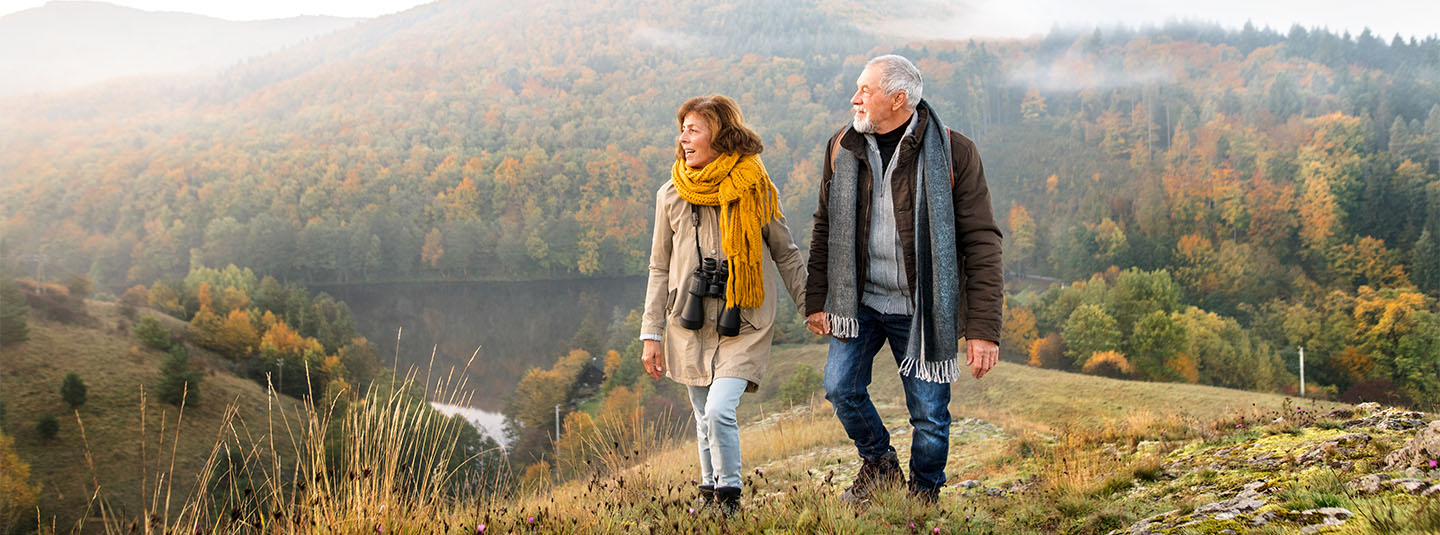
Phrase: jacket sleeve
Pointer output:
(658, 288)
(816, 282)
(977, 239)
(787, 259)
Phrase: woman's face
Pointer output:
(695, 137)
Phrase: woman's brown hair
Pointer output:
(731, 134)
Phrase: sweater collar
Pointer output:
(855, 141)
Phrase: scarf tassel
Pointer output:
(844, 328)
(939, 371)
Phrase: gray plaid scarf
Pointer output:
(934, 332)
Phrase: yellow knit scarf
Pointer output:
(741, 188)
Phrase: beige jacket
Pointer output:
(697, 357)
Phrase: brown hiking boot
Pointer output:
(874, 474)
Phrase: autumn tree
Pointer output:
(17, 510)
(1017, 333)
(1088, 331)
(1157, 340)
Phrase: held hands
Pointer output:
(650, 357)
(818, 323)
(981, 355)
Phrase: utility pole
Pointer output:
(1302, 372)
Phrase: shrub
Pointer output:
(48, 426)
(1108, 364)
(73, 390)
(151, 333)
(800, 385)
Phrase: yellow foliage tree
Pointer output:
(1017, 333)
(18, 504)
(236, 337)
(281, 341)
(1048, 352)
(1184, 366)
(1108, 364)
(205, 326)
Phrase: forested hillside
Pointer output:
(1269, 191)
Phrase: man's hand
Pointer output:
(981, 355)
(650, 356)
(818, 323)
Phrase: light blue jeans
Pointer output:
(716, 432)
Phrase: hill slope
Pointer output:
(113, 453)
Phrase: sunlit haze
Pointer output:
(250, 10)
(980, 18)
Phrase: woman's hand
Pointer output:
(650, 356)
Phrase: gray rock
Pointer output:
(1434, 490)
(970, 483)
(1318, 519)
(995, 492)
(1418, 451)
(1412, 486)
(1246, 501)
(1369, 484)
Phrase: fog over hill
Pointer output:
(72, 43)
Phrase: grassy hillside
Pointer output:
(1032, 452)
(1047, 400)
(111, 451)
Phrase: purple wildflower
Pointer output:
(479, 528)
(1433, 462)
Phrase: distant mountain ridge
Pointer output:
(66, 44)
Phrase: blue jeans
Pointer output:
(716, 431)
(847, 380)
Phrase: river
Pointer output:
(509, 327)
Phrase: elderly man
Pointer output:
(905, 249)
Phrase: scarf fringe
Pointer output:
(841, 327)
(939, 371)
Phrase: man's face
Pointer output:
(873, 108)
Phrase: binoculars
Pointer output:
(709, 281)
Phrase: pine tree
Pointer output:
(1426, 263)
(13, 312)
(73, 390)
(178, 383)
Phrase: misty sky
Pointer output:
(967, 18)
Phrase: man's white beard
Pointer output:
(863, 126)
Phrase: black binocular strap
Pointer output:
(695, 219)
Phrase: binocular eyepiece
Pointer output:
(709, 280)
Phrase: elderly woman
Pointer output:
(718, 213)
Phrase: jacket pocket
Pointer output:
(670, 301)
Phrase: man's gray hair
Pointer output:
(898, 74)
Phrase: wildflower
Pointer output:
(1433, 462)
(937, 530)
(531, 520)
(692, 510)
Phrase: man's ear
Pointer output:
(897, 100)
